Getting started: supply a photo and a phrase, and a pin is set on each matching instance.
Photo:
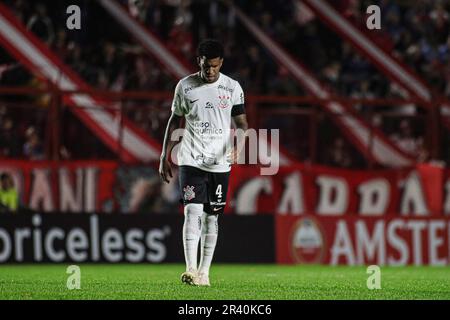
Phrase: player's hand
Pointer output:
(165, 170)
(234, 156)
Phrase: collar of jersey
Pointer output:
(210, 84)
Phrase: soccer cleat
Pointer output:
(202, 280)
(188, 277)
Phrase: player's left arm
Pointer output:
(241, 123)
(240, 120)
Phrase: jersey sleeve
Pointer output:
(238, 101)
(177, 103)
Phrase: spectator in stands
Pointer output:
(393, 24)
(440, 25)
(168, 10)
(5, 68)
(9, 198)
(41, 24)
(354, 70)
(138, 9)
(181, 42)
(444, 52)
(200, 27)
(9, 143)
(339, 155)
(20, 9)
(362, 91)
(64, 153)
(422, 154)
(404, 138)
(110, 62)
(147, 197)
(282, 84)
(330, 74)
(409, 143)
(33, 148)
(60, 45)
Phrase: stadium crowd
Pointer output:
(108, 58)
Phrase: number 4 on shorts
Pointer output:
(219, 191)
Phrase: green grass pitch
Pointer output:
(240, 282)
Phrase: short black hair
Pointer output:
(210, 49)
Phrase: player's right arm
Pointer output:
(165, 170)
(174, 123)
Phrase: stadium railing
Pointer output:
(306, 131)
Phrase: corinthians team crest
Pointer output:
(223, 101)
(307, 241)
(189, 193)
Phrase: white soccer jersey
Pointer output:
(208, 108)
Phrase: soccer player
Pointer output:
(208, 100)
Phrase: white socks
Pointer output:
(210, 230)
(197, 223)
(191, 234)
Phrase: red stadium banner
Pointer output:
(106, 186)
(91, 186)
(66, 186)
(354, 240)
(420, 191)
